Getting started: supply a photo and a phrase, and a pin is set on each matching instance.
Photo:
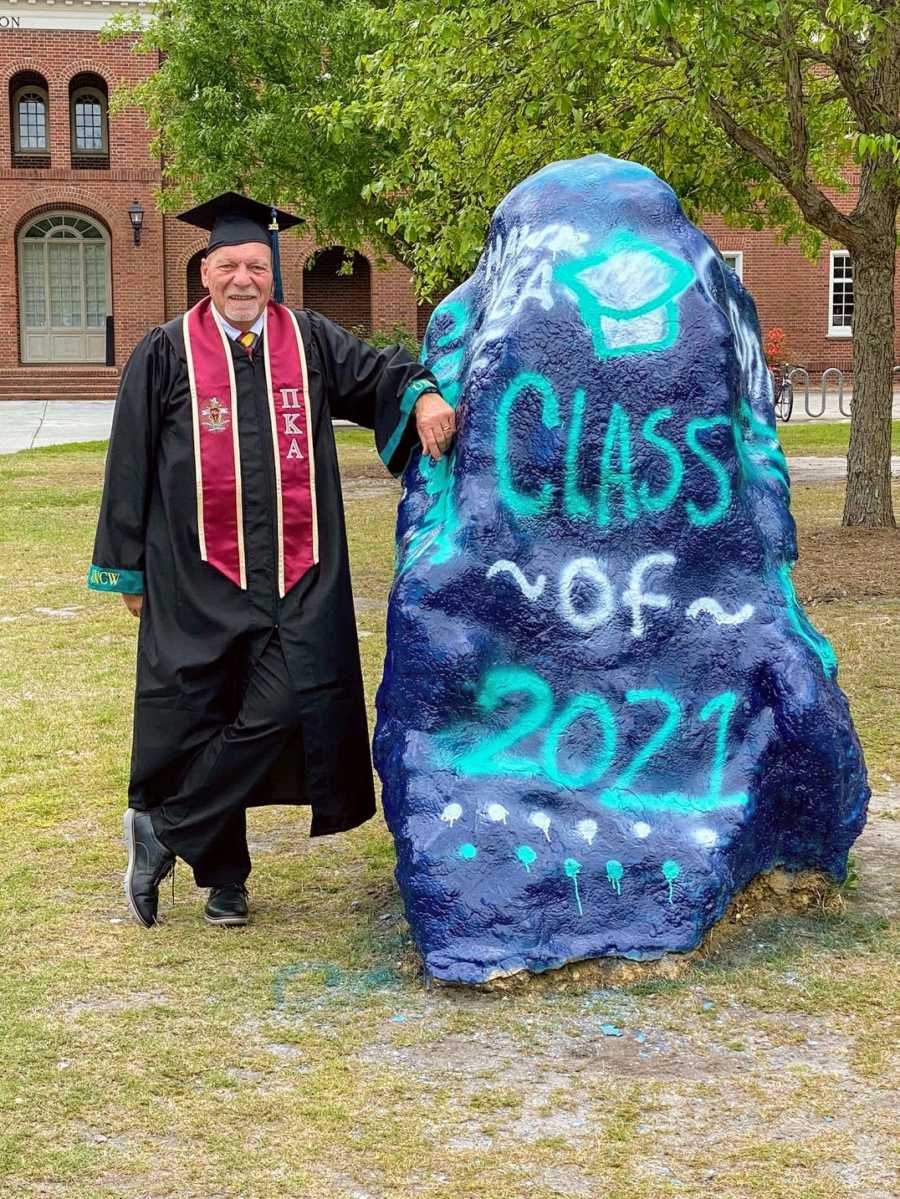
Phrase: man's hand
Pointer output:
(435, 424)
(134, 603)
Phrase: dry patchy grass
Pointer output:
(301, 1058)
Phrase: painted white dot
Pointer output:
(542, 821)
(451, 813)
(641, 829)
(588, 830)
(497, 813)
(706, 836)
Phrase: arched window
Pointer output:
(343, 298)
(89, 122)
(64, 288)
(29, 118)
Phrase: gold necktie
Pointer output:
(247, 339)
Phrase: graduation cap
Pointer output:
(233, 220)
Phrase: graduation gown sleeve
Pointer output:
(374, 388)
(118, 560)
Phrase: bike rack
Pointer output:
(804, 375)
(832, 378)
(826, 380)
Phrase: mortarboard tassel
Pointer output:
(278, 293)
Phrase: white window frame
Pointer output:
(738, 265)
(836, 330)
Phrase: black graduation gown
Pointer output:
(196, 626)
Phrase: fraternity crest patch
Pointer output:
(215, 416)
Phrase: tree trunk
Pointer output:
(868, 498)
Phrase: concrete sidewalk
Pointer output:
(28, 424)
(826, 470)
(831, 411)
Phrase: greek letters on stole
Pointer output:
(217, 457)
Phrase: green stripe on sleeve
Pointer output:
(111, 578)
(407, 401)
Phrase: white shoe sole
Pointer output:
(227, 921)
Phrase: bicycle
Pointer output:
(783, 390)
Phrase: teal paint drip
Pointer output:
(614, 874)
(526, 856)
(670, 872)
(572, 868)
(467, 851)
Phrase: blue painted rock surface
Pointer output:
(603, 710)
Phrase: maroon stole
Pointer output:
(217, 455)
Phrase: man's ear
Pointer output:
(204, 272)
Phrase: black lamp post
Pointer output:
(136, 216)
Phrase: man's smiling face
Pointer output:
(239, 280)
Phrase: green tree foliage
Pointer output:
(238, 102)
(748, 108)
(408, 121)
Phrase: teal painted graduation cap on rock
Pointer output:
(233, 220)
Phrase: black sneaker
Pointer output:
(149, 862)
(227, 905)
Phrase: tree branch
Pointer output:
(832, 97)
(816, 207)
(653, 62)
(651, 133)
(793, 86)
(844, 59)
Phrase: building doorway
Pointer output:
(64, 289)
(345, 299)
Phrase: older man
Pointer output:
(221, 525)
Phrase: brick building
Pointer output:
(811, 301)
(85, 285)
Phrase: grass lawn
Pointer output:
(824, 439)
(301, 1058)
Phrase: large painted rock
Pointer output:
(604, 710)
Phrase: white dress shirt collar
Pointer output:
(234, 333)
